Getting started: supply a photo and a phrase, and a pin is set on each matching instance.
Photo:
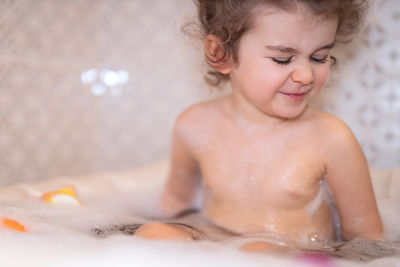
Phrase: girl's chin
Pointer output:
(290, 113)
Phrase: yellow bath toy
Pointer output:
(9, 223)
(65, 195)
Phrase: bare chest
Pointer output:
(260, 173)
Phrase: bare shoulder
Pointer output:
(340, 146)
(197, 123)
(331, 130)
(198, 110)
(200, 115)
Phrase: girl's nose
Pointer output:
(303, 74)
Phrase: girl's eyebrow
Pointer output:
(328, 46)
(282, 49)
(290, 50)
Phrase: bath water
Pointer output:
(99, 232)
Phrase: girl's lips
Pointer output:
(296, 96)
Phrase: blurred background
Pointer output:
(95, 85)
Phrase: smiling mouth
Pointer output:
(296, 96)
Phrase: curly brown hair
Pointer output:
(230, 19)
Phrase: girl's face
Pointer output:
(283, 61)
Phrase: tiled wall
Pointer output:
(51, 123)
(364, 88)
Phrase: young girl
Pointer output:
(263, 156)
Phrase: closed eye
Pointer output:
(282, 61)
(320, 59)
(286, 61)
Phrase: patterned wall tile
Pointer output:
(365, 85)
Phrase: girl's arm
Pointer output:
(184, 176)
(349, 180)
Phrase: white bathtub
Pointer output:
(62, 235)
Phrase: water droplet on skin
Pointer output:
(313, 237)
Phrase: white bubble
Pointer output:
(123, 76)
(89, 76)
(98, 89)
(109, 77)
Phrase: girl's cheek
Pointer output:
(322, 77)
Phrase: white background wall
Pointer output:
(52, 124)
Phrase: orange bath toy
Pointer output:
(65, 195)
(9, 223)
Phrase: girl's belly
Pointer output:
(293, 225)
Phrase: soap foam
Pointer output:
(63, 235)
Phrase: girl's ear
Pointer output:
(216, 54)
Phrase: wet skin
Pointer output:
(256, 178)
(261, 151)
